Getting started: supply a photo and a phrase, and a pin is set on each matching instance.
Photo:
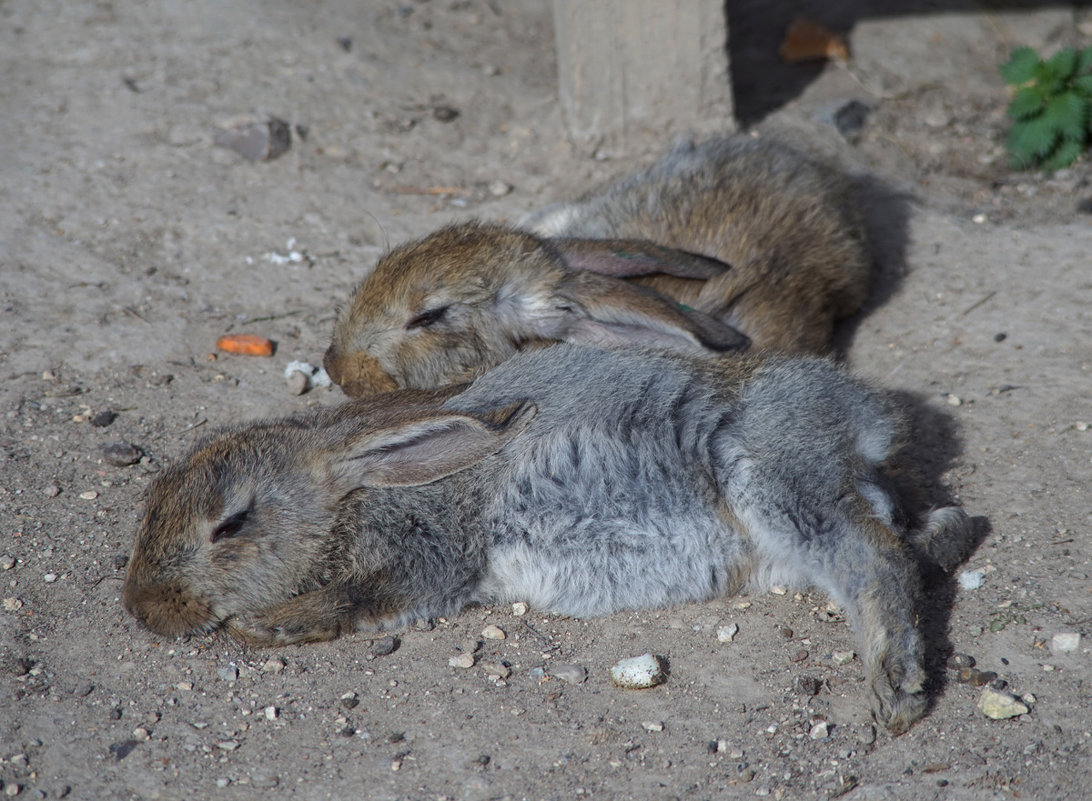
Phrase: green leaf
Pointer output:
(1027, 102)
(1084, 60)
(1068, 114)
(1063, 63)
(1083, 84)
(1068, 151)
(1020, 67)
(1030, 140)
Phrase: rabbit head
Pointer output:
(248, 531)
(447, 307)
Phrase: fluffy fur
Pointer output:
(583, 480)
(717, 245)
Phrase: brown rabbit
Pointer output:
(717, 244)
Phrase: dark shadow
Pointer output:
(762, 83)
(887, 213)
(932, 447)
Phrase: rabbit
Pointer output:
(733, 243)
(580, 479)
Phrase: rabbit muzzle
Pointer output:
(358, 373)
(167, 608)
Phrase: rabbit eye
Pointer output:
(230, 527)
(427, 318)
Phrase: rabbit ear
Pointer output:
(627, 258)
(598, 310)
(428, 447)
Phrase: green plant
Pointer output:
(1051, 107)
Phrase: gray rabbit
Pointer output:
(582, 480)
(718, 245)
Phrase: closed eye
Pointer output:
(230, 527)
(427, 318)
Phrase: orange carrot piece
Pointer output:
(245, 344)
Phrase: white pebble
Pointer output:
(90, 495)
(7, 562)
(638, 672)
(652, 725)
(727, 633)
(573, 674)
(227, 745)
(49, 578)
(142, 734)
(820, 731)
(492, 632)
(462, 661)
(779, 589)
(519, 609)
(499, 188)
(274, 664)
(971, 579)
(12, 604)
(843, 657)
(271, 713)
(954, 400)
(1065, 642)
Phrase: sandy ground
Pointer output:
(129, 242)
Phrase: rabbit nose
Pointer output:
(358, 374)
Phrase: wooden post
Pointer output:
(630, 66)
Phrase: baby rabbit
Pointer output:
(717, 244)
(583, 480)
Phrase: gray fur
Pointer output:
(583, 480)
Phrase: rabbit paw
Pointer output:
(897, 697)
(306, 618)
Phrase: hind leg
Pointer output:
(861, 561)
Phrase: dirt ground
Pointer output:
(129, 241)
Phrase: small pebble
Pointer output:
(492, 632)
(1081, 425)
(445, 113)
(104, 418)
(1000, 705)
(979, 218)
(954, 400)
(499, 188)
(7, 562)
(349, 700)
(274, 664)
(140, 734)
(727, 633)
(573, 674)
(11, 604)
(519, 609)
(779, 589)
(959, 661)
(537, 673)
(652, 725)
(227, 745)
(1065, 642)
(785, 632)
(843, 657)
(185, 686)
(462, 661)
(11, 789)
(271, 713)
(496, 669)
(298, 383)
(49, 578)
(1000, 336)
(808, 685)
(820, 731)
(385, 646)
(90, 495)
(423, 624)
(639, 672)
(52, 491)
(222, 783)
(227, 673)
(999, 684)
(261, 141)
(979, 678)
(120, 454)
(799, 656)
(971, 579)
